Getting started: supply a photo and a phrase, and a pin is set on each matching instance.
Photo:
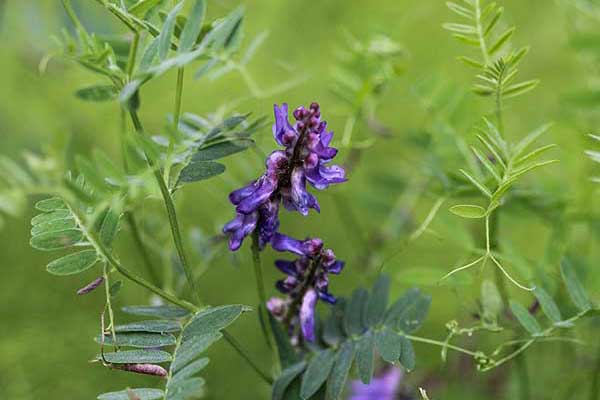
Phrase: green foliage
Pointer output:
(502, 164)
(350, 336)
(498, 66)
(61, 227)
(196, 333)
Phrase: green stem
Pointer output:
(171, 213)
(499, 110)
(178, 96)
(111, 315)
(133, 54)
(492, 246)
(106, 254)
(130, 217)
(71, 13)
(180, 251)
(442, 344)
(260, 288)
(235, 344)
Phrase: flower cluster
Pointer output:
(305, 157)
(307, 281)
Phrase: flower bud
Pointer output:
(91, 286)
(145, 369)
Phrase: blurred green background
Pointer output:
(46, 330)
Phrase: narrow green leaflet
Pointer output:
(317, 372)
(54, 225)
(477, 184)
(285, 379)
(73, 263)
(190, 370)
(574, 286)
(389, 345)
(50, 216)
(97, 93)
(142, 394)
(548, 305)
(51, 204)
(164, 39)
(224, 35)
(57, 240)
(333, 329)
(364, 357)
(199, 171)
(152, 326)
(141, 340)
(411, 318)
(339, 373)
(222, 149)
(213, 319)
(525, 318)
(468, 211)
(407, 355)
(193, 26)
(188, 350)
(136, 357)
(355, 312)
(191, 388)
(378, 299)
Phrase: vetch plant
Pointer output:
(322, 344)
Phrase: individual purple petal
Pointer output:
(307, 315)
(268, 221)
(287, 267)
(336, 267)
(238, 195)
(299, 194)
(323, 176)
(240, 227)
(327, 297)
(281, 125)
(264, 189)
(309, 247)
(281, 242)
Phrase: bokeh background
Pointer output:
(46, 330)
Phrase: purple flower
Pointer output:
(306, 281)
(305, 158)
(382, 387)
